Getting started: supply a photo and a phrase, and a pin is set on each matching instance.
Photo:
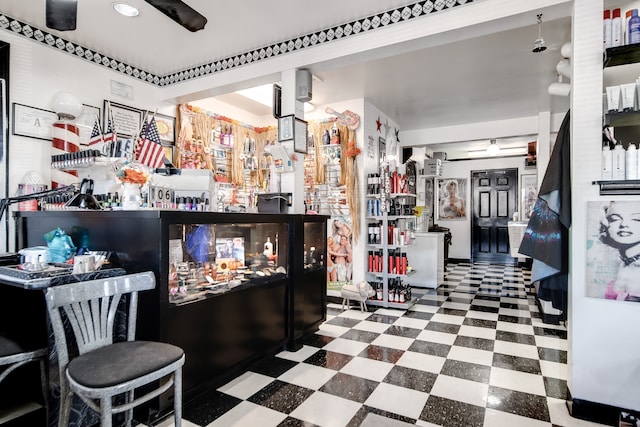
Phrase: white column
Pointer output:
(293, 182)
(544, 144)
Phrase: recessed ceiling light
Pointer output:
(126, 9)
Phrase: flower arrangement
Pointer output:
(132, 173)
(352, 149)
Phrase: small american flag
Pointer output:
(150, 151)
(110, 134)
(96, 134)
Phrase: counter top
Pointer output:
(9, 276)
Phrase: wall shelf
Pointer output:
(621, 187)
(623, 118)
(621, 55)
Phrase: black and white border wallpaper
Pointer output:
(317, 38)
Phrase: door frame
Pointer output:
(471, 210)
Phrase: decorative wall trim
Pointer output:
(349, 29)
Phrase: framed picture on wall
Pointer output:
(452, 196)
(529, 195)
(126, 120)
(166, 127)
(612, 250)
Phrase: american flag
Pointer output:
(150, 151)
(110, 134)
(96, 134)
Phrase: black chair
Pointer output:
(105, 371)
(13, 356)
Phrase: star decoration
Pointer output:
(378, 124)
(397, 132)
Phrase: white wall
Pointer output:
(461, 229)
(37, 73)
(603, 336)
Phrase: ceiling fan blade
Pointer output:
(180, 12)
(61, 14)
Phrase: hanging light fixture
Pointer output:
(493, 149)
(538, 44)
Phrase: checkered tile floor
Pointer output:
(471, 353)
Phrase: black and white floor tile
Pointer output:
(473, 352)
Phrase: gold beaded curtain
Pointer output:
(194, 149)
(348, 167)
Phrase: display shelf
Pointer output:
(621, 55)
(396, 195)
(619, 187)
(392, 217)
(96, 163)
(389, 304)
(622, 118)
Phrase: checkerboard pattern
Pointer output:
(473, 352)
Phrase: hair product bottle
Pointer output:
(616, 28)
(631, 159)
(619, 162)
(606, 29)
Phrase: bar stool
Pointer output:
(13, 356)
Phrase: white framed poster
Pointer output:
(452, 193)
(529, 195)
(33, 122)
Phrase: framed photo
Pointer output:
(285, 128)
(382, 150)
(452, 196)
(168, 152)
(300, 136)
(529, 195)
(33, 122)
(126, 120)
(166, 127)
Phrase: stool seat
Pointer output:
(360, 292)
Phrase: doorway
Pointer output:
(494, 200)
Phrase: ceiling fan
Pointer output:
(61, 14)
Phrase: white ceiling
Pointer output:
(482, 78)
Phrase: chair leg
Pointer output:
(129, 414)
(343, 301)
(177, 397)
(44, 382)
(105, 411)
(66, 397)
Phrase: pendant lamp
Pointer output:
(493, 149)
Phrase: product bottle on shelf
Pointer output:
(631, 162)
(619, 161)
(607, 161)
(634, 27)
(616, 28)
(606, 29)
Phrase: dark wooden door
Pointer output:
(494, 202)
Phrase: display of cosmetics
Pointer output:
(67, 160)
(374, 261)
(397, 262)
(373, 233)
(373, 183)
(397, 291)
(398, 208)
(398, 183)
(55, 203)
(398, 233)
(373, 207)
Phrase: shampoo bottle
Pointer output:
(631, 167)
(607, 161)
(606, 29)
(268, 248)
(634, 27)
(619, 162)
(616, 28)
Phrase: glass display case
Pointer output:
(231, 289)
(206, 260)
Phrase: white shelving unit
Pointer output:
(385, 248)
